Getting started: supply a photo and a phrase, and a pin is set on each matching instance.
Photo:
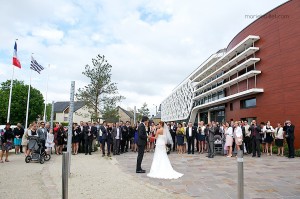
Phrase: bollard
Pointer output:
(240, 183)
(65, 175)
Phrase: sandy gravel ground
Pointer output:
(91, 177)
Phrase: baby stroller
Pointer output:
(218, 144)
(38, 152)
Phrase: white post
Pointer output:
(10, 93)
(71, 110)
(45, 109)
(28, 96)
(240, 182)
(134, 115)
(65, 176)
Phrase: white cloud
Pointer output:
(48, 33)
(150, 55)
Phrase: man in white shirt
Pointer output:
(117, 136)
(247, 139)
(191, 132)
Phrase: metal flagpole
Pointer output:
(134, 115)
(52, 115)
(71, 110)
(10, 93)
(46, 97)
(27, 109)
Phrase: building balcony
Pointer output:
(228, 74)
(239, 51)
(236, 80)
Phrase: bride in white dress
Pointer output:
(161, 166)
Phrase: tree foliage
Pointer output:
(48, 112)
(19, 103)
(100, 91)
(110, 112)
(143, 111)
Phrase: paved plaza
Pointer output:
(95, 177)
(265, 177)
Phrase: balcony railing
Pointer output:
(245, 76)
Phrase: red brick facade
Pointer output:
(279, 44)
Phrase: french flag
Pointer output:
(16, 61)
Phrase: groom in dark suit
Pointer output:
(142, 141)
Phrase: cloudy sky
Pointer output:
(152, 44)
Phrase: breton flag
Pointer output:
(16, 61)
(36, 66)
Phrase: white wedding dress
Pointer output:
(161, 166)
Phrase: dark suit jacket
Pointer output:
(173, 130)
(258, 131)
(86, 133)
(104, 132)
(124, 132)
(194, 132)
(114, 133)
(212, 131)
(81, 135)
(142, 135)
(94, 131)
(130, 132)
(289, 130)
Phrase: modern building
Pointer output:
(255, 77)
(61, 112)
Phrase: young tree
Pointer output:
(48, 111)
(143, 111)
(110, 112)
(19, 101)
(100, 89)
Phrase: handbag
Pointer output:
(152, 139)
(239, 141)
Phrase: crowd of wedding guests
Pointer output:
(118, 138)
(122, 137)
(233, 136)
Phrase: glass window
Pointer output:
(214, 97)
(248, 103)
(220, 94)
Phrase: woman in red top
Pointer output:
(152, 136)
(55, 130)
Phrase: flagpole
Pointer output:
(27, 110)
(10, 93)
(46, 96)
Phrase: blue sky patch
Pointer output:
(153, 17)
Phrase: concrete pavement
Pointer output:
(265, 177)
